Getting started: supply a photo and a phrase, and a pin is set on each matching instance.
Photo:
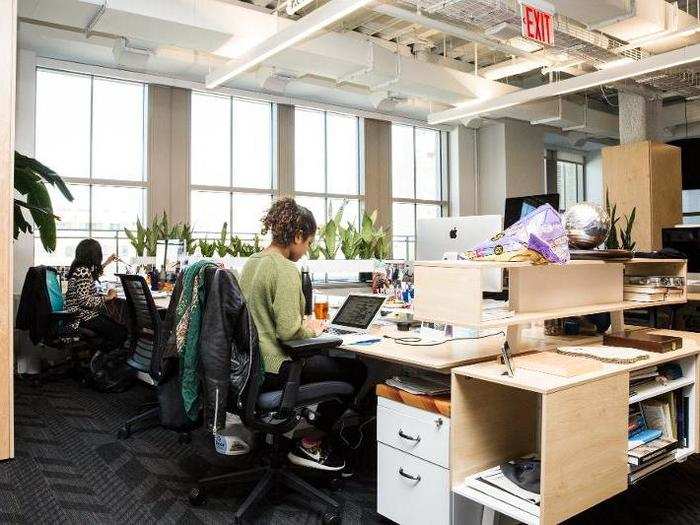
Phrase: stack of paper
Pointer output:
(492, 310)
(421, 386)
(493, 483)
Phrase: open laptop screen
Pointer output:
(358, 311)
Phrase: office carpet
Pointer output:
(70, 468)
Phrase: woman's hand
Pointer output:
(317, 326)
(111, 295)
(110, 260)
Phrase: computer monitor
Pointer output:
(176, 250)
(445, 237)
(685, 239)
(519, 207)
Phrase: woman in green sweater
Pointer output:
(271, 285)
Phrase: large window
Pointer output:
(570, 183)
(327, 163)
(418, 183)
(231, 175)
(92, 132)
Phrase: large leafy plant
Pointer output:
(31, 177)
(139, 238)
(329, 235)
(374, 242)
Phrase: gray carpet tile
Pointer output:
(70, 468)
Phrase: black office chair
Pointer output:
(146, 343)
(42, 312)
(275, 413)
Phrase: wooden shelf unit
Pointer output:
(578, 425)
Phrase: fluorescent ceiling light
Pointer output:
(677, 57)
(615, 63)
(316, 20)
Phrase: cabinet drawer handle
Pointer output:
(408, 476)
(410, 438)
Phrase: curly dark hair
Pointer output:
(285, 219)
(88, 254)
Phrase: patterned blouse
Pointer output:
(82, 295)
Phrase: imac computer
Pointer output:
(685, 238)
(519, 207)
(445, 237)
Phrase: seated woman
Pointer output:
(271, 285)
(82, 295)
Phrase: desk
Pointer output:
(443, 358)
(577, 424)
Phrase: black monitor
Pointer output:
(519, 207)
(685, 239)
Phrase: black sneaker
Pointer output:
(320, 457)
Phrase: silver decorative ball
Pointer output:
(587, 225)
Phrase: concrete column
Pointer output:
(462, 172)
(510, 159)
(285, 149)
(640, 117)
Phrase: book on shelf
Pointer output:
(660, 414)
(644, 297)
(644, 471)
(494, 483)
(650, 452)
(644, 374)
(642, 437)
(635, 420)
(420, 386)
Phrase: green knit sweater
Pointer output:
(271, 285)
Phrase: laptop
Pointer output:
(355, 316)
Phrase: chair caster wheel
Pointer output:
(197, 497)
(123, 433)
(335, 484)
(331, 517)
(184, 439)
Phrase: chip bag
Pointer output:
(539, 238)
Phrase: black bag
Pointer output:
(109, 372)
(172, 407)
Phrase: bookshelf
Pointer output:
(576, 424)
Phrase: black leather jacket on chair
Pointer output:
(226, 338)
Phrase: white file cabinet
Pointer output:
(413, 476)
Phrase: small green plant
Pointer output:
(206, 248)
(349, 241)
(222, 245)
(138, 238)
(329, 235)
(314, 250)
(374, 242)
(187, 239)
(626, 234)
(234, 246)
(611, 243)
(151, 241)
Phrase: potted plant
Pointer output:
(30, 179)
(186, 237)
(206, 248)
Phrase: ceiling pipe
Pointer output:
(459, 32)
(651, 64)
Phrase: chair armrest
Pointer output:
(301, 348)
(64, 315)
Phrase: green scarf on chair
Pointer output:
(188, 323)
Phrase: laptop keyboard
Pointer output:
(338, 331)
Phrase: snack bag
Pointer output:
(539, 238)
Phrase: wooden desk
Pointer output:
(578, 425)
(443, 358)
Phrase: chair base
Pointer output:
(269, 477)
(151, 411)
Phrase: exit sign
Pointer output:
(538, 24)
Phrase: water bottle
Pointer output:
(307, 290)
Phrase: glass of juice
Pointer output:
(321, 307)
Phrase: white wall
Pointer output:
(511, 163)
(24, 143)
(594, 178)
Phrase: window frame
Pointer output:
(580, 197)
(91, 181)
(232, 190)
(360, 196)
(443, 202)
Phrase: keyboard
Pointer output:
(338, 331)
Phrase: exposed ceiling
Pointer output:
(404, 57)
